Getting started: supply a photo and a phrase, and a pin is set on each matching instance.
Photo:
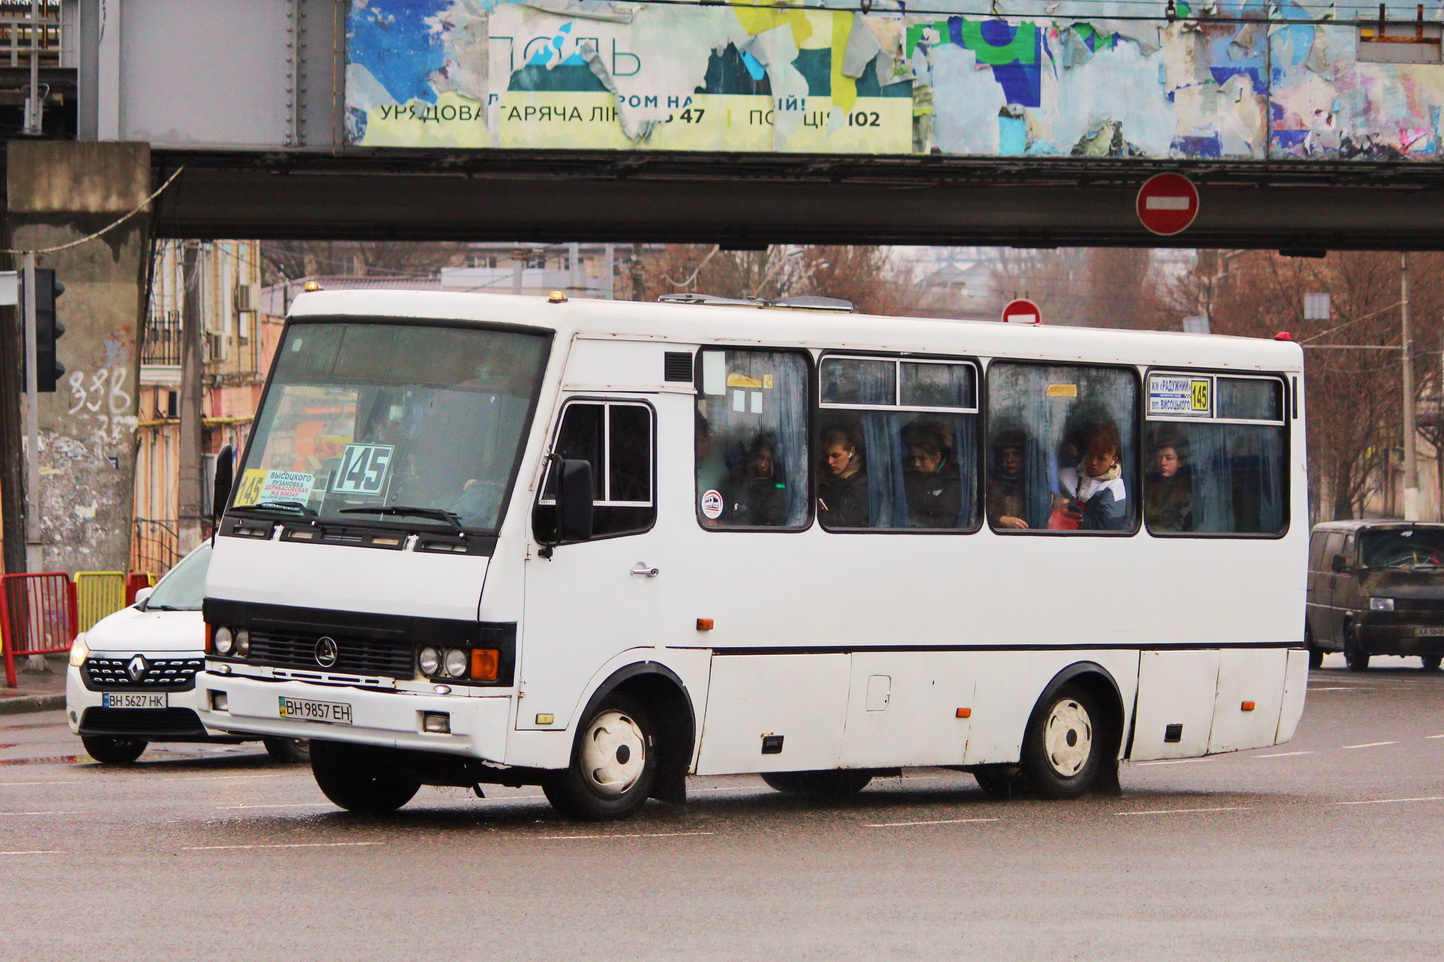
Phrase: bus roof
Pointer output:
(755, 327)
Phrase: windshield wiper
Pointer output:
(437, 514)
(294, 506)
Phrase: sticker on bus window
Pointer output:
(249, 490)
(742, 380)
(286, 486)
(1175, 395)
(712, 504)
(364, 469)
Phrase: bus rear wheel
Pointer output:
(361, 779)
(828, 785)
(1064, 747)
(614, 764)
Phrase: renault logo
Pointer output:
(136, 668)
(326, 651)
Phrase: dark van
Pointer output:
(1376, 588)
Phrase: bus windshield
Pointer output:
(382, 421)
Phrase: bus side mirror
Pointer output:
(574, 501)
(1340, 563)
(221, 492)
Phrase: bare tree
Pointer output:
(292, 260)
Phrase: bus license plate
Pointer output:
(134, 699)
(330, 712)
(1430, 631)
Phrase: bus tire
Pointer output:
(361, 779)
(1354, 654)
(1065, 743)
(614, 764)
(823, 786)
(287, 750)
(1429, 662)
(112, 749)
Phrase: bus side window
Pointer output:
(617, 438)
(751, 439)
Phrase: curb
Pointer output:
(27, 703)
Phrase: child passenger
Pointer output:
(1092, 496)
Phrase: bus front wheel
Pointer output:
(361, 779)
(614, 764)
(1064, 747)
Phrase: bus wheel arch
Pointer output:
(1074, 734)
(663, 698)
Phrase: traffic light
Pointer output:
(48, 369)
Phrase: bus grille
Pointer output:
(361, 656)
(159, 674)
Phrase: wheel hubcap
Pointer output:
(1068, 737)
(614, 753)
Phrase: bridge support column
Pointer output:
(58, 193)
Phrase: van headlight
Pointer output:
(1381, 604)
(79, 651)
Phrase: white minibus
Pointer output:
(598, 546)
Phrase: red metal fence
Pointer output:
(38, 616)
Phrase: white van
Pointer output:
(131, 679)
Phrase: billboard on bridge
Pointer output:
(1081, 78)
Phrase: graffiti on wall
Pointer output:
(1084, 78)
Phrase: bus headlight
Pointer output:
(429, 660)
(224, 641)
(243, 642)
(457, 661)
(1381, 604)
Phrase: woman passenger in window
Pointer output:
(1092, 495)
(930, 480)
(1006, 502)
(842, 500)
(1168, 494)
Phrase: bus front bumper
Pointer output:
(474, 726)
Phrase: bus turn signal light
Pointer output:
(704, 624)
(1246, 706)
(485, 664)
(965, 713)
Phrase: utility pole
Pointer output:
(1411, 462)
(191, 476)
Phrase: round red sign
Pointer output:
(1022, 311)
(1167, 203)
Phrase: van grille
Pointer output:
(1430, 605)
(354, 655)
(148, 722)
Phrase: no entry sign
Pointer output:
(1022, 311)
(1167, 203)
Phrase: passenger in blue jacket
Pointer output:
(1092, 496)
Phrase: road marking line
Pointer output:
(76, 781)
(1371, 745)
(1174, 761)
(209, 778)
(46, 851)
(1390, 801)
(1434, 736)
(46, 760)
(700, 791)
(574, 838)
(217, 848)
(39, 813)
(1283, 754)
(941, 821)
(1187, 811)
(287, 805)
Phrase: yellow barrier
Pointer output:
(98, 593)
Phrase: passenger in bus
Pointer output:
(1092, 495)
(1006, 502)
(1168, 492)
(763, 494)
(842, 500)
(931, 485)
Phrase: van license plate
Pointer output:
(330, 712)
(134, 699)
(1431, 631)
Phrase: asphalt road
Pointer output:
(1327, 848)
